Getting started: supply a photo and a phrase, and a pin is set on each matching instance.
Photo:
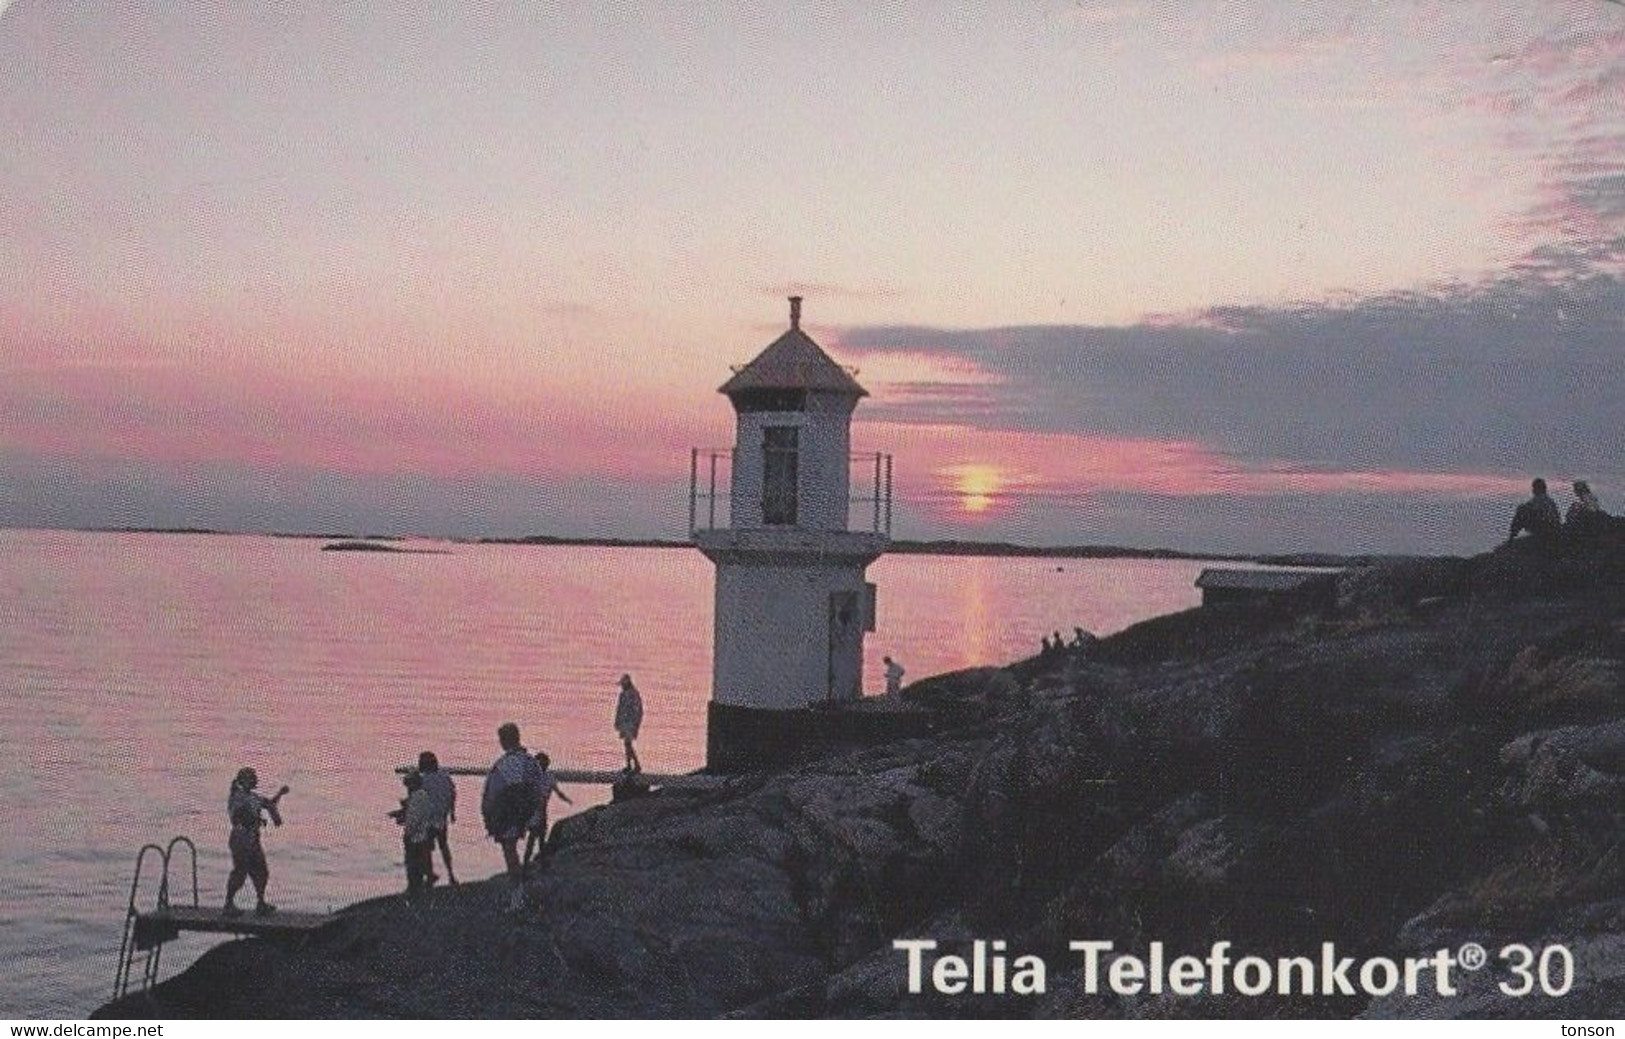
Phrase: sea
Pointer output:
(139, 671)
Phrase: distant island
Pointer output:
(379, 545)
(905, 546)
(901, 546)
(305, 535)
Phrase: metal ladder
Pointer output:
(149, 933)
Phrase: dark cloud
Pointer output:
(1519, 374)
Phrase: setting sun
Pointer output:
(977, 486)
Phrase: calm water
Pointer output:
(138, 672)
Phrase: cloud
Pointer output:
(1560, 102)
(278, 416)
(1515, 375)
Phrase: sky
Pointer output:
(1217, 275)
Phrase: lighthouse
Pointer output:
(792, 530)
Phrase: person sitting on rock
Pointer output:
(248, 810)
(1585, 515)
(1538, 515)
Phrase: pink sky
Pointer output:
(461, 246)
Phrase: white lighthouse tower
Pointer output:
(792, 603)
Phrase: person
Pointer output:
(1538, 515)
(628, 720)
(1082, 640)
(1585, 515)
(443, 799)
(1044, 654)
(537, 841)
(512, 789)
(416, 816)
(247, 811)
(894, 676)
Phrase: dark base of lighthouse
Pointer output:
(745, 739)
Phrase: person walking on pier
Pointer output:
(628, 720)
(537, 841)
(247, 811)
(443, 799)
(513, 788)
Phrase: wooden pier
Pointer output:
(146, 930)
(608, 777)
(166, 923)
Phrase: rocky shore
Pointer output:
(1439, 760)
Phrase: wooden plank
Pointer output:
(689, 781)
(213, 920)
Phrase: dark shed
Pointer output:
(1307, 589)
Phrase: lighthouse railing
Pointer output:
(710, 484)
(710, 491)
(875, 505)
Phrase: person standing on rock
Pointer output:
(443, 799)
(247, 811)
(416, 816)
(537, 841)
(894, 676)
(513, 788)
(628, 720)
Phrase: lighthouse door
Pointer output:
(845, 646)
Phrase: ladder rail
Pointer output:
(169, 854)
(128, 943)
(126, 954)
(155, 959)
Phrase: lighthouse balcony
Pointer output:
(790, 545)
(839, 500)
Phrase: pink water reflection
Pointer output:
(138, 672)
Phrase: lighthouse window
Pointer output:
(779, 470)
(770, 400)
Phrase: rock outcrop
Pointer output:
(1440, 760)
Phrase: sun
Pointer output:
(978, 488)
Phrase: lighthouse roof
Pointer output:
(793, 362)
